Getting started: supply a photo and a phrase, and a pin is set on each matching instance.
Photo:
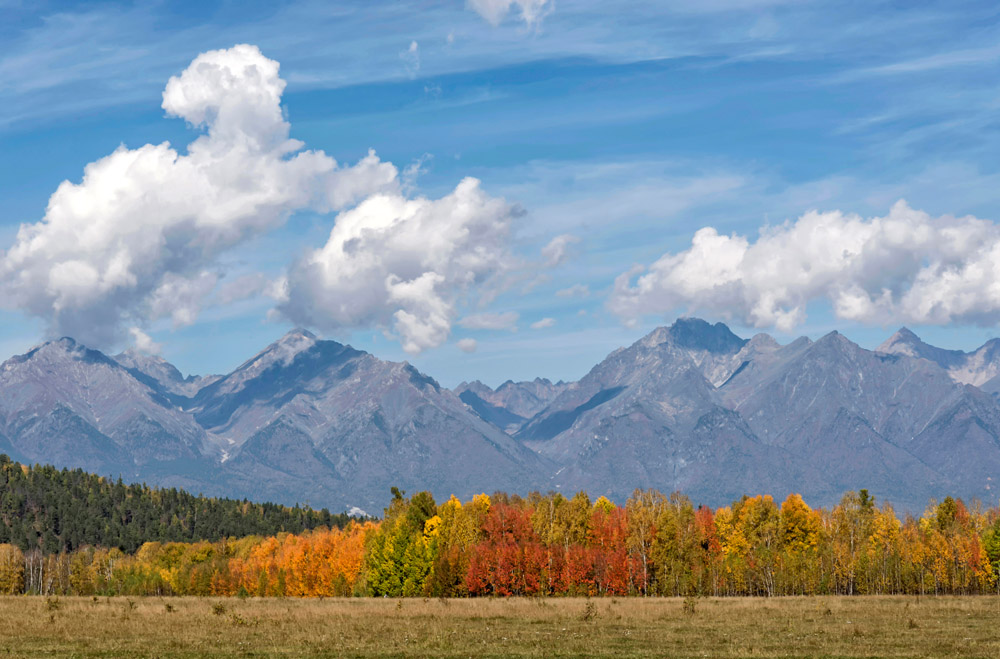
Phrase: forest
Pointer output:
(538, 545)
(58, 511)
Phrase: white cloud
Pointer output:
(467, 345)
(904, 267)
(413, 171)
(494, 11)
(402, 265)
(557, 251)
(506, 320)
(544, 323)
(576, 290)
(181, 298)
(139, 236)
(144, 343)
(411, 59)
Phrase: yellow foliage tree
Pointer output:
(11, 570)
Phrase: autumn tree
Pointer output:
(799, 528)
(11, 570)
(399, 553)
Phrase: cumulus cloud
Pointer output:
(138, 237)
(494, 11)
(144, 343)
(543, 323)
(506, 320)
(904, 267)
(402, 264)
(557, 251)
(467, 345)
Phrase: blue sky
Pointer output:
(627, 126)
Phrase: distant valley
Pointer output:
(689, 407)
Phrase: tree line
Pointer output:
(59, 511)
(550, 544)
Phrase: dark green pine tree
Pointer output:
(63, 510)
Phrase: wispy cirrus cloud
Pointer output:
(531, 12)
(949, 59)
(506, 320)
(54, 63)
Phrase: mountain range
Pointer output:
(690, 407)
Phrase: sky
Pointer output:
(495, 189)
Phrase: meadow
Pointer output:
(822, 626)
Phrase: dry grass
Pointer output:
(785, 627)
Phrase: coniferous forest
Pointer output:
(67, 532)
(55, 511)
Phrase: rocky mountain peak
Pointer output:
(293, 343)
(677, 409)
(283, 351)
(763, 342)
(697, 334)
(152, 365)
(62, 350)
(903, 342)
(835, 345)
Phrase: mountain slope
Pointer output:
(857, 411)
(977, 368)
(512, 403)
(340, 426)
(689, 407)
(68, 405)
(649, 416)
(161, 374)
(646, 368)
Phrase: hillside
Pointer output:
(304, 420)
(62, 510)
(689, 407)
(696, 408)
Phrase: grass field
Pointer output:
(784, 627)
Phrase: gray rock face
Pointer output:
(67, 405)
(650, 416)
(512, 403)
(689, 407)
(340, 427)
(681, 409)
(161, 374)
(978, 368)
(304, 420)
(860, 414)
